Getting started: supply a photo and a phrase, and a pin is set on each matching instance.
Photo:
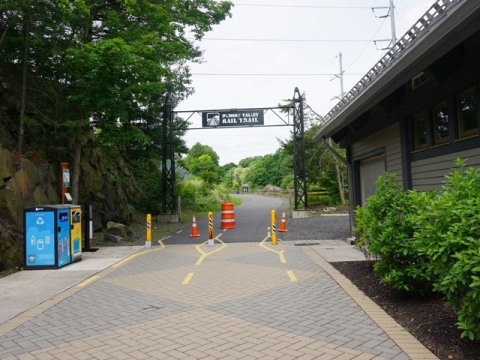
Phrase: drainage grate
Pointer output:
(306, 243)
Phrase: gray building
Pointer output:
(417, 109)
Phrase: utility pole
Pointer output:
(391, 12)
(392, 23)
(340, 77)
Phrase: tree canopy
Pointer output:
(65, 64)
(95, 72)
(202, 161)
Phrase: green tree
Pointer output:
(206, 169)
(202, 161)
(67, 65)
(323, 169)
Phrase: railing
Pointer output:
(318, 197)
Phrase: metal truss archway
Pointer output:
(299, 169)
(169, 193)
(169, 204)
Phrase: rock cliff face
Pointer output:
(30, 180)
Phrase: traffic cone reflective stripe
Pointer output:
(283, 224)
(194, 228)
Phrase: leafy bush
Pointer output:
(385, 228)
(197, 195)
(449, 235)
(428, 238)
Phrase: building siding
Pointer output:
(387, 139)
(429, 174)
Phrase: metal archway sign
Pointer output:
(233, 118)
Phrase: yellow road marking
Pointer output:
(125, 260)
(204, 254)
(280, 253)
(187, 279)
(160, 242)
(291, 275)
(88, 281)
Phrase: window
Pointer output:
(441, 129)
(420, 131)
(467, 114)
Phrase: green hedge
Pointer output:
(427, 240)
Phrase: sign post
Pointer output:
(65, 182)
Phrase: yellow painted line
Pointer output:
(127, 259)
(120, 263)
(204, 254)
(280, 253)
(160, 242)
(88, 281)
(291, 275)
(187, 279)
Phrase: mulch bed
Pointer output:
(427, 318)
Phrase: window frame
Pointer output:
(417, 146)
(438, 141)
(465, 134)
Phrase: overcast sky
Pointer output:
(250, 61)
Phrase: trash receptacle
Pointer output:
(76, 232)
(47, 236)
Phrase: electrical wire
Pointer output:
(282, 40)
(305, 6)
(269, 74)
(365, 48)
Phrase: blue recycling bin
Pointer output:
(47, 236)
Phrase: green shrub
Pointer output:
(385, 229)
(198, 196)
(449, 235)
(424, 238)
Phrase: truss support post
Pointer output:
(169, 203)
(299, 170)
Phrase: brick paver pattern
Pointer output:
(239, 303)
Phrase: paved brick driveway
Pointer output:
(230, 301)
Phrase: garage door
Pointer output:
(370, 170)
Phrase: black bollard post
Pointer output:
(88, 227)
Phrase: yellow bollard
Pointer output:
(148, 242)
(210, 229)
(274, 227)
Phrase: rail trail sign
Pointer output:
(231, 118)
(244, 117)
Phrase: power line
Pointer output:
(305, 6)
(270, 74)
(283, 40)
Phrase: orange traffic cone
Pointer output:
(283, 224)
(194, 228)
